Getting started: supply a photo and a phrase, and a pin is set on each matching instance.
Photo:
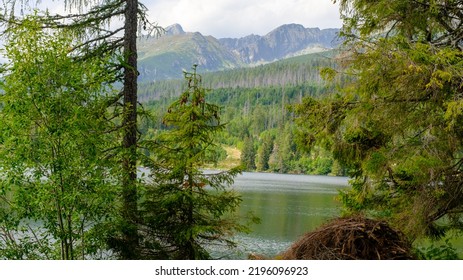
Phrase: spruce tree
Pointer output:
(186, 209)
(248, 155)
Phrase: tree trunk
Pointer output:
(129, 143)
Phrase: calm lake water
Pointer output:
(288, 206)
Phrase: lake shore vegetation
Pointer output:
(396, 122)
(57, 185)
(385, 109)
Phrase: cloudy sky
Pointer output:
(236, 18)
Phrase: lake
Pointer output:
(288, 206)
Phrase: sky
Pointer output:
(238, 18)
(235, 18)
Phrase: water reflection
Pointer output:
(288, 206)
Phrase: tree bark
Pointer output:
(129, 142)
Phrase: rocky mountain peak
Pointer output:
(281, 42)
(174, 29)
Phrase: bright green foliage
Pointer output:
(397, 124)
(56, 189)
(185, 209)
(442, 251)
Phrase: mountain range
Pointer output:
(167, 56)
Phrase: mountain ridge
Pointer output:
(167, 56)
(279, 43)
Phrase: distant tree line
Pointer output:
(289, 72)
(256, 103)
(260, 123)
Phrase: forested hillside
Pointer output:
(257, 107)
(288, 72)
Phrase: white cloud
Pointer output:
(236, 18)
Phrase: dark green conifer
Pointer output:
(187, 209)
(248, 155)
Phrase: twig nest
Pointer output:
(353, 238)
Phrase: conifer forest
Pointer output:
(97, 163)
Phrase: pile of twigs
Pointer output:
(354, 238)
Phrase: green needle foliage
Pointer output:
(185, 209)
(248, 155)
(397, 120)
(56, 188)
